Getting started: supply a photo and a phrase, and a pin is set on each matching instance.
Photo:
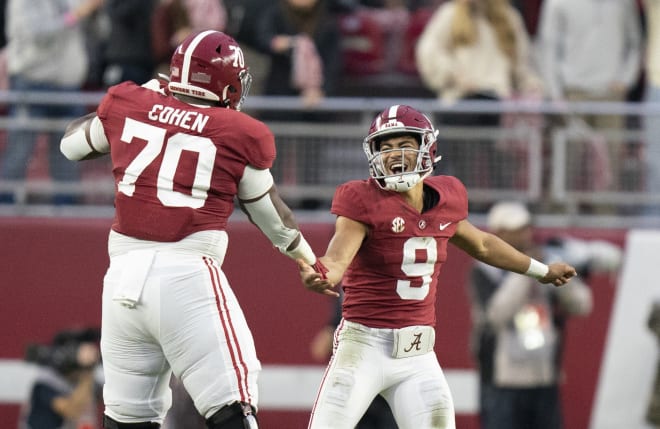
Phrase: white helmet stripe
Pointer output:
(391, 116)
(392, 112)
(188, 55)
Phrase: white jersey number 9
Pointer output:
(422, 270)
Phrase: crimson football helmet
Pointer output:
(391, 122)
(210, 65)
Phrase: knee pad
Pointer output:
(238, 415)
(110, 423)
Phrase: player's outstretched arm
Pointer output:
(494, 251)
(259, 199)
(330, 268)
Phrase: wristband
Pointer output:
(302, 251)
(537, 269)
(321, 269)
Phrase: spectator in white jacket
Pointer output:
(475, 50)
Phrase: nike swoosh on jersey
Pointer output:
(442, 226)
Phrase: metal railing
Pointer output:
(535, 157)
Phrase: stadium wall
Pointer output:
(52, 270)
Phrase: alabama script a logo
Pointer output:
(416, 343)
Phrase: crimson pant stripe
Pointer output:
(230, 332)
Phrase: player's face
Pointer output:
(399, 154)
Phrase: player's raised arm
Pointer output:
(492, 250)
(330, 268)
(260, 200)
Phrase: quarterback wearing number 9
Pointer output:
(389, 245)
(181, 153)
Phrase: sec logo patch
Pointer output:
(398, 224)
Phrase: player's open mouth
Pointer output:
(397, 168)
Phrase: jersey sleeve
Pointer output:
(455, 195)
(350, 202)
(106, 102)
(104, 107)
(260, 148)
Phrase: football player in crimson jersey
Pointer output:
(181, 153)
(390, 242)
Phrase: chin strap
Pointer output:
(402, 183)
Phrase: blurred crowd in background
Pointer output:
(353, 39)
(554, 51)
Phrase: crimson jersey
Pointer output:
(177, 166)
(392, 280)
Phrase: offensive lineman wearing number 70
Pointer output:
(390, 241)
(181, 152)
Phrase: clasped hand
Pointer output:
(314, 280)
